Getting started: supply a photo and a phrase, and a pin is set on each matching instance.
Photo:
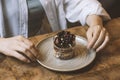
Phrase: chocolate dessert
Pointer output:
(64, 43)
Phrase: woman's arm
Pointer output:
(79, 10)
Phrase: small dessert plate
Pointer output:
(82, 58)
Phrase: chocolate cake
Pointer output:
(64, 43)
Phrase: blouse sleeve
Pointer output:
(78, 10)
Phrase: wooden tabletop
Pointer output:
(106, 65)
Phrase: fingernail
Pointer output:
(97, 50)
(28, 61)
(88, 47)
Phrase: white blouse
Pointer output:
(57, 12)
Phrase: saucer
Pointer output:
(82, 58)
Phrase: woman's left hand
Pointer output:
(97, 37)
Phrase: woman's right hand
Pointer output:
(18, 47)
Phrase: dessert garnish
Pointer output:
(64, 43)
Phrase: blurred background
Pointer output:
(112, 7)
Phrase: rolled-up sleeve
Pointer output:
(78, 10)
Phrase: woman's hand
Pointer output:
(18, 47)
(98, 37)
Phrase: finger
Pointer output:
(25, 52)
(30, 46)
(104, 43)
(26, 41)
(18, 56)
(94, 37)
(23, 42)
(29, 55)
(34, 51)
(31, 49)
(100, 39)
(89, 35)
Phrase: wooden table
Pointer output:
(106, 66)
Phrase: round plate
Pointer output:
(83, 56)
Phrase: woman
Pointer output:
(20, 18)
